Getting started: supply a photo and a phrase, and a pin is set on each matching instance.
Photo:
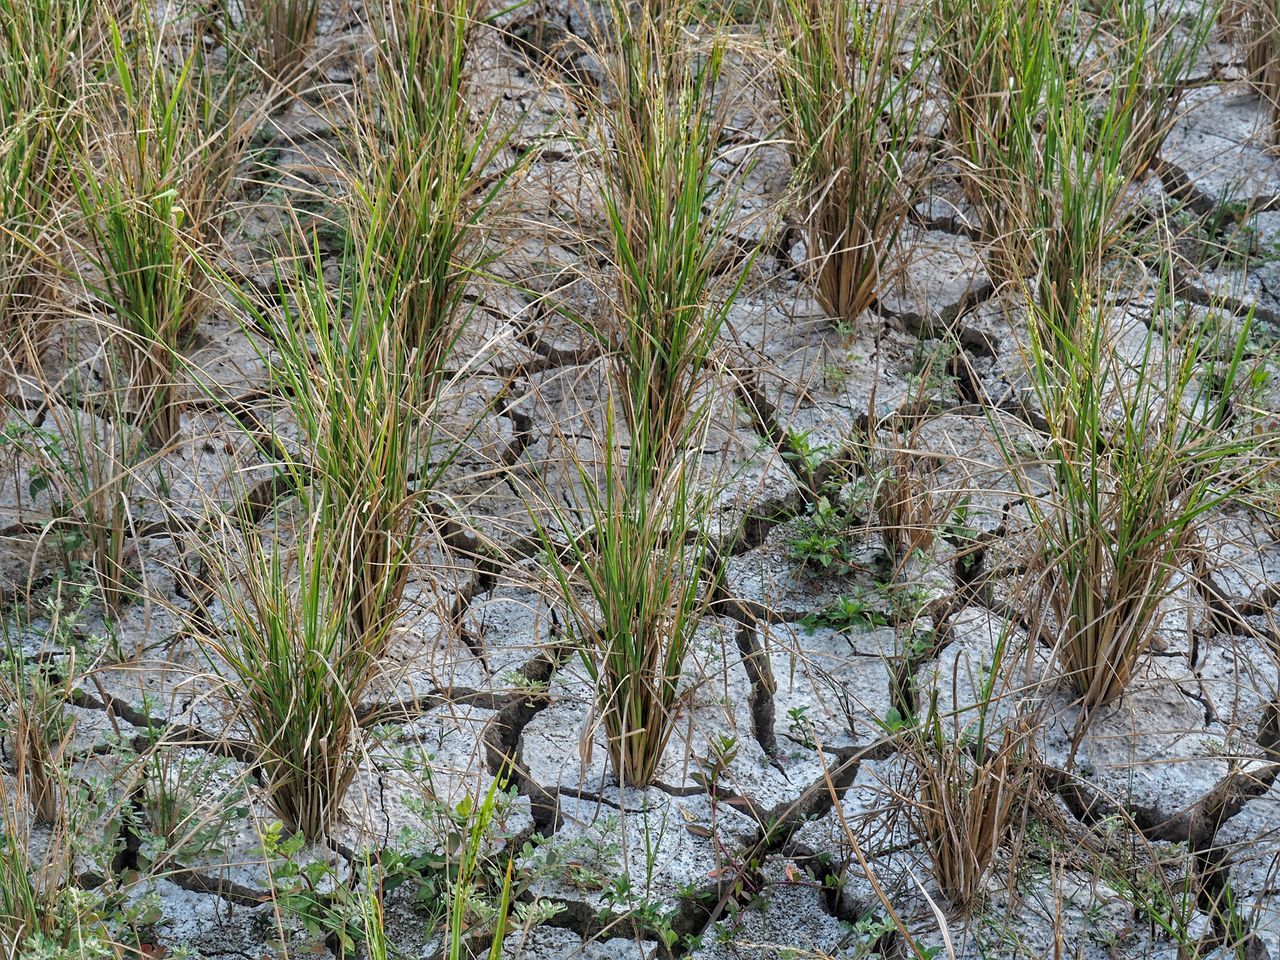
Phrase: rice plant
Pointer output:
(45, 912)
(310, 621)
(361, 364)
(636, 581)
(423, 172)
(974, 776)
(296, 676)
(901, 497)
(1254, 25)
(1152, 50)
(898, 473)
(1003, 65)
(1139, 454)
(37, 727)
(668, 190)
(969, 794)
(995, 58)
(355, 394)
(35, 892)
(42, 44)
(1136, 443)
(1072, 219)
(1056, 175)
(636, 585)
(279, 36)
(851, 108)
(153, 192)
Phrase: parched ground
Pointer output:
(781, 785)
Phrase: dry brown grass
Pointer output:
(1254, 25)
(280, 35)
(903, 503)
(973, 787)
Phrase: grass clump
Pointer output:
(1137, 445)
(646, 570)
(36, 723)
(852, 113)
(153, 190)
(361, 363)
(1152, 49)
(1069, 210)
(657, 177)
(279, 33)
(1018, 75)
(42, 46)
(42, 912)
(83, 456)
(975, 777)
(423, 178)
(310, 621)
(297, 669)
(636, 580)
(1254, 25)
(902, 502)
(969, 796)
(1139, 453)
(1077, 134)
(897, 473)
(995, 58)
(46, 911)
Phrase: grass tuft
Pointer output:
(310, 622)
(969, 797)
(995, 58)
(279, 36)
(361, 362)
(1254, 25)
(424, 173)
(852, 112)
(43, 45)
(37, 728)
(153, 190)
(1152, 50)
(667, 188)
(1137, 446)
(975, 779)
(1139, 454)
(84, 455)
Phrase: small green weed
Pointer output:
(850, 611)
